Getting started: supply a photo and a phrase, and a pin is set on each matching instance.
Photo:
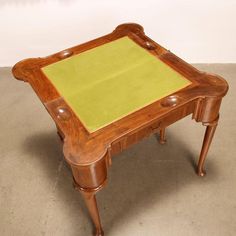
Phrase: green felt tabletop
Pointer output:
(109, 82)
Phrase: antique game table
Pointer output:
(111, 92)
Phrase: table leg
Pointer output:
(209, 133)
(88, 180)
(162, 139)
(91, 203)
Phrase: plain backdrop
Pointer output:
(198, 31)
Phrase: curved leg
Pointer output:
(92, 178)
(162, 139)
(210, 130)
(91, 203)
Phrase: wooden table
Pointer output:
(111, 92)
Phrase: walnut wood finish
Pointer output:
(89, 154)
(91, 203)
(162, 139)
(210, 130)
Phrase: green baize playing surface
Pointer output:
(106, 83)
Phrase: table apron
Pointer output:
(168, 119)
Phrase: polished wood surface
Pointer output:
(210, 130)
(90, 154)
(162, 139)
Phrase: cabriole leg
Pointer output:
(88, 180)
(209, 133)
(91, 203)
(162, 139)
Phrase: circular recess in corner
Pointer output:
(149, 45)
(63, 113)
(65, 54)
(170, 101)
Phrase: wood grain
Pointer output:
(90, 155)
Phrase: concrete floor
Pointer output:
(152, 189)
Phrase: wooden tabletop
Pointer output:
(83, 147)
